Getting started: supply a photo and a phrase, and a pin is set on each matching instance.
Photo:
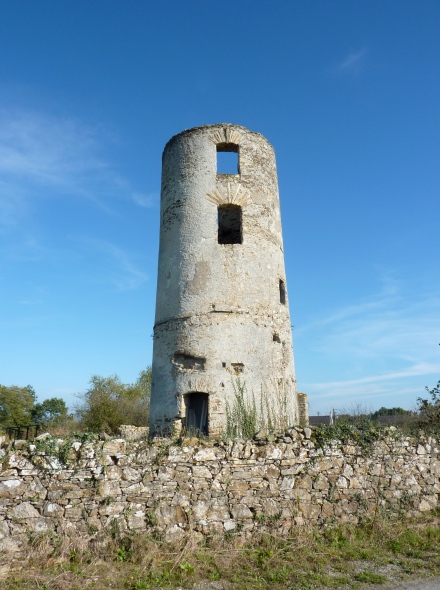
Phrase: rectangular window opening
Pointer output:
(188, 362)
(229, 224)
(282, 292)
(238, 368)
(227, 158)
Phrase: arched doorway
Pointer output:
(196, 404)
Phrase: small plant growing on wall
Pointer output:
(241, 415)
(245, 415)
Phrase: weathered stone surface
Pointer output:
(222, 308)
(114, 447)
(311, 511)
(241, 512)
(4, 529)
(109, 489)
(169, 515)
(52, 509)
(129, 432)
(235, 487)
(11, 488)
(206, 454)
(23, 511)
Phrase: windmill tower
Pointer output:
(222, 309)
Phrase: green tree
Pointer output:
(143, 383)
(389, 412)
(108, 403)
(16, 404)
(429, 410)
(52, 411)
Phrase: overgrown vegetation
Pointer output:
(105, 405)
(19, 408)
(360, 430)
(429, 410)
(241, 415)
(245, 416)
(108, 403)
(335, 557)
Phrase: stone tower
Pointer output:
(222, 314)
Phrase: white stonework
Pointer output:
(222, 309)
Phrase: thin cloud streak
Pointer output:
(43, 156)
(398, 332)
(145, 201)
(119, 267)
(352, 62)
(420, 369)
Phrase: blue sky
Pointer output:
(347, 92)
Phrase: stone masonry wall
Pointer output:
(81, 487)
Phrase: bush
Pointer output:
(108, 403)
(16, 404)
(429, 411)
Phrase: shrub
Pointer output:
(108, 403)
(429, 411)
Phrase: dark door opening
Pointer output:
(197, 413)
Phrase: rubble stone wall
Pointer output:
(81, 487)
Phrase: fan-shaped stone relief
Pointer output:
(229, 195)
(226, 135)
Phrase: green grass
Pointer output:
(339, 557)
(370, 577)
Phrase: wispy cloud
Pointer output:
(348, 386)
(145, 201)
(30, 301)
(351, 62)
(42, 156)
(119, 266)
(379, 347)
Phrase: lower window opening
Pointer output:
(196, 413)
(229, 224)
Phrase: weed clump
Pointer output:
(241, 415)
(360, 431)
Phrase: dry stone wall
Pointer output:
(84, 487)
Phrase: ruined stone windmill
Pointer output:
(222, 309)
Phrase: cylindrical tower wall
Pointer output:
(222, 308)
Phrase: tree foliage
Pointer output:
(108, 403)
(50, 411)
(19, 408)
(16, 404)
(389, 412)
(429, 410)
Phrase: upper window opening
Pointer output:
(282, 292)
(227, 158)
(229, 224)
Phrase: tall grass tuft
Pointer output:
(241, 415)
(245, 415)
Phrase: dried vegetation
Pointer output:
(361, 556)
